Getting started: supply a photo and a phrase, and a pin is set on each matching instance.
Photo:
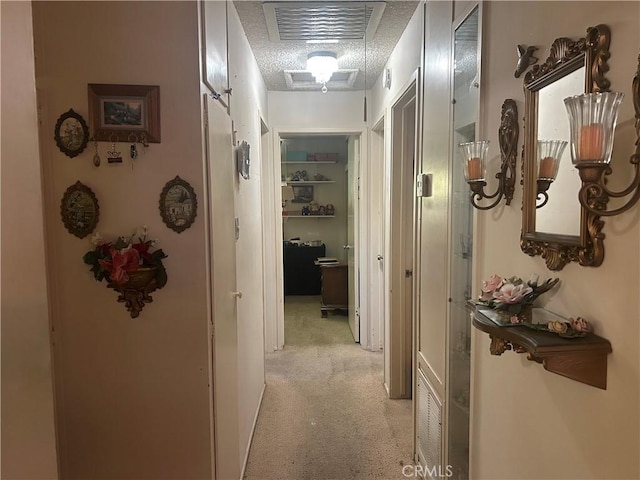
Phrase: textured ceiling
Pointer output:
(276, 57)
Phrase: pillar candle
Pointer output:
(547, 166)
(474, 169)
(591, 142)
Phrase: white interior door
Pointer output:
(222, 258)
(352, 242)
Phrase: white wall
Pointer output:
(403, 62)
(527, 422)
(132, 394)
(28, 435)
(248, 103)
(299, 111)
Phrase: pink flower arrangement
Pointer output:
(114, 261)
(513, 293)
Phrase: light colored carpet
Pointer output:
(325, 414)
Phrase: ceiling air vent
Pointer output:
(320, 21)
(303, 80)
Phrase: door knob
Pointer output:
(379, 257)
(237, 294)
(347, 247)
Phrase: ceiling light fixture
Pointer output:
(322, 65)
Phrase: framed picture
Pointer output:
(178, 205)
(125, 113)
(302, 194)
(71, 133)
(242, 159)
(79, 210)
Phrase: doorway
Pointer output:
(319, 183)
(400, 214)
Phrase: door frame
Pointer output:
(270, 213)
(400, 316)
(362, 298)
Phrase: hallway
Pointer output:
(325, 414)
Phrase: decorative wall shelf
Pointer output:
(582, 359)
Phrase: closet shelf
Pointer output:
(581, 359)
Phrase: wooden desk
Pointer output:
(335, 287)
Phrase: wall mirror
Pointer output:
(557, 227)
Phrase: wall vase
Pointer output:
(135, 291)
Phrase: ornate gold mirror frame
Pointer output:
(565, 57)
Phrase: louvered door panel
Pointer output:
(429, 434)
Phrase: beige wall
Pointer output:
(133, 394)
(527, 422)
(28, 436)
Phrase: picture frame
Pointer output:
(178, 204)
(79, 210)
(124, 113)
(71, 133)
(302, 194)
(243, 160)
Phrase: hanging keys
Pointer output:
(133, 150)
(96, 157)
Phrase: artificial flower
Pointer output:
(511, 294)
(490, 286)
(123, 261)
(113, 261)
(557, 327)
(580, 325)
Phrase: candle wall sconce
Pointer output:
(549, 155)
(474, 153)
(592, 119)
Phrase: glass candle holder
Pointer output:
(549, 155)
(473, 157)
(592, 121)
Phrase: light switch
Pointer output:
(423, 184)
